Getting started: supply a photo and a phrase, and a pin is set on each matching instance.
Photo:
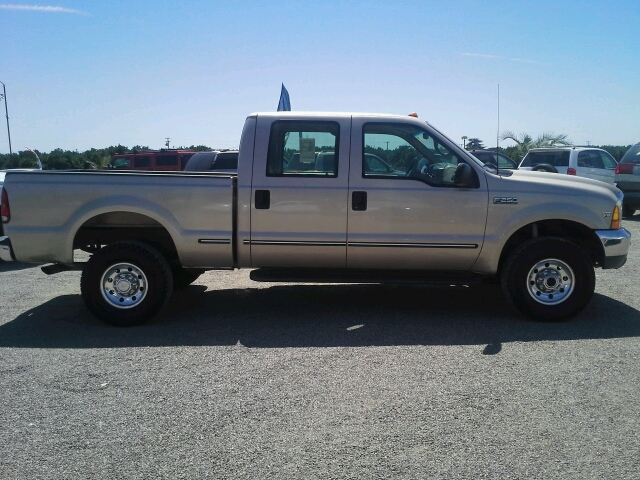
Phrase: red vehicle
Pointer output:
(165, 159)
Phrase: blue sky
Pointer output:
(85, 74)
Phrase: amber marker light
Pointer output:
(615, 218)
(413, 114)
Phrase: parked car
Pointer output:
(164, 159)
(489, 157)
(587, 162)
(628, 180)
(219, 161)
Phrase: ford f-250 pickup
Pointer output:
(321, 198)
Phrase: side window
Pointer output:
(407, 152)
(121, 162)
(166, 160)
(594, 159)
(142, 162)
(608, 161)
(303, 148)
(506, 162)
(226, 161)
(584, 159)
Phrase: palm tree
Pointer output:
(524, 142)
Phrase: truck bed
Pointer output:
(52, 211)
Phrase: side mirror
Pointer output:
(463, 176)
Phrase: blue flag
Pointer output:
(284, 103)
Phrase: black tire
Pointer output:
(143, 270)
(627, 211)
(545, 167)
(556, 271)
(183, 277)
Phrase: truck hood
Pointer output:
(545, 181)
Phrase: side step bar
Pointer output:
(62, 267)
(307, 275)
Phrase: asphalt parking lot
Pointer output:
(236, 379)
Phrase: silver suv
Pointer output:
(585, 162)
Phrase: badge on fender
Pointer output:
(505, 200)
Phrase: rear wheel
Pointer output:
(126, 283)
(548, 279)
(545, 167)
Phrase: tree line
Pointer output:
(59, 159)
(525, 142)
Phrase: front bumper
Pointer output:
(616, 247)
(6, 252)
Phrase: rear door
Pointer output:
(411, 216)
(299, 192)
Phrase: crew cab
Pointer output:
(321, 197)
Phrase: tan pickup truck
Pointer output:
(321, 198)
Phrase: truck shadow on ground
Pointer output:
(319, 316)
(15, 266)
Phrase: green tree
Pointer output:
(474, 144)
(616, 151)
(525, 142)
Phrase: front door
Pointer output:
(404, 210)
(299, 192)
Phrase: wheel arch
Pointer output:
(575, 232)
(124, 224)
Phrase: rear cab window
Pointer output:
(303, 148)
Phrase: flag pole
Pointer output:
(6, 110)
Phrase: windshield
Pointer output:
(632, 155)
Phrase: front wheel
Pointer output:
(126, 283)
(548, 279)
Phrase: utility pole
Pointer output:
(6, 110)
(464, 141)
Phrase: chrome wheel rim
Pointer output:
(123, 285)
(550, 281)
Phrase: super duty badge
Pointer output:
(505, 200)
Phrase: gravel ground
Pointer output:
(236, 379)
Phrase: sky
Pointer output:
(90, 74)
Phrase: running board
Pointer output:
(308, 275)
(62, 267)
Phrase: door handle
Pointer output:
(263, 199)
(358, 201)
